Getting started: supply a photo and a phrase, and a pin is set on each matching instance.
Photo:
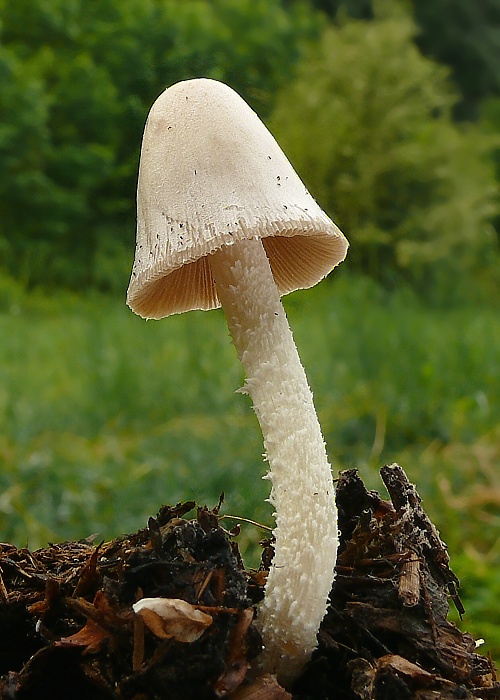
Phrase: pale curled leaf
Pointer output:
(172, 618)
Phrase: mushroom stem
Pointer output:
(302, 493)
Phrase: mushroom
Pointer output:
(223, 219)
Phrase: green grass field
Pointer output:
(104, 416)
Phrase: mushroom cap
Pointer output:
(211, 174)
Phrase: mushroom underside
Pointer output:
(297, 262)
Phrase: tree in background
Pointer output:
(461, 34)
(58, 143)
(78, 79)
(358, 9)
(368, 124)
(464, 35)
(490, 122)
(367, 121)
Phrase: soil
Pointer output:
(68, 628)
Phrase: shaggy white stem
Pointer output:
(302, 491)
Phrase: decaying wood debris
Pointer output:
(68, 628)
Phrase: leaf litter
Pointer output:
(169, 611)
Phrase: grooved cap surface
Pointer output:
(210, 174)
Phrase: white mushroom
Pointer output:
(223, 219)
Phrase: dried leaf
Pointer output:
(172, 618)
(237, 663)
(89, 575)
(101, 619)
(404, 668)
(91, 637)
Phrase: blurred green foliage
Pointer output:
(465, 36)
(378, 147)
(460, 34)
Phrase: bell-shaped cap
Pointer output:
(210, 174)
